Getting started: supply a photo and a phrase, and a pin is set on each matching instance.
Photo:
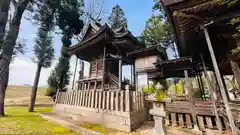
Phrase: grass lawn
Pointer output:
(21, 95)
(20, 121)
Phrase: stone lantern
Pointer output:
(158, 112)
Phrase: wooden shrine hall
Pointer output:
(203, 30)
(105, 50)
(102, 97)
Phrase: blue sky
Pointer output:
(22, 69)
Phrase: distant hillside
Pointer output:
(27, 85)
(19, 94)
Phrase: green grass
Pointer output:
(19, 121)
(98, 128)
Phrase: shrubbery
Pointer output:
(50, 91)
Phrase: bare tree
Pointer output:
(94, 12)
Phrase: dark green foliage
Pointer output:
(117, 18)
(53, 80)
(158, 31)
(43, 50)
(125, 81)
(68, 20)
(50, 91)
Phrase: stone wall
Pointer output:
(123, 121)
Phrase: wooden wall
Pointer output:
(145, 62)
(96, 68)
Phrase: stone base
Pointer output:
(159, 115)
(123, 121)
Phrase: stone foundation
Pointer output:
(123, 121)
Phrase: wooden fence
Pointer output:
(122, 101)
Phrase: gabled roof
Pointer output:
(94, 42)
(148, 51)
(92, 28)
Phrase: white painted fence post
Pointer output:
(108, 95)
(121, 101)
(117, 101)
(112, 100)
(127, 100)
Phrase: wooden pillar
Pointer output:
(131, 74)
(96, 68)
(236, 72)
(190, 90)
(104, 59)
(220, 82)
(120, 73)
(90, 70)
(81, 70)
(74, 74)
(95, 85)
(211, 89)
(136, 81)
(148, 85)
(89, 84)
(134, 75)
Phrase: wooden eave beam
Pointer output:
(185, 15)
(229, 16)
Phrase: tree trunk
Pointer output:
(34, 88)
(7, 50)
(4, 73)
(4, 8)
(13, 32)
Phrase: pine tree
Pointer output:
(68, 20)
(43, 49)
(158, 31)
(117, 18)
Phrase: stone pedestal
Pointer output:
(159, 114)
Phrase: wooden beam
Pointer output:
(104, 59)
(184, 15)
(220, 82)
(230, 15)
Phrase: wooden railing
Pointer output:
(122, 101)
(179, 115)
(113, 78)
(185, 120)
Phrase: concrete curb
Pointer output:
(69, 125)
